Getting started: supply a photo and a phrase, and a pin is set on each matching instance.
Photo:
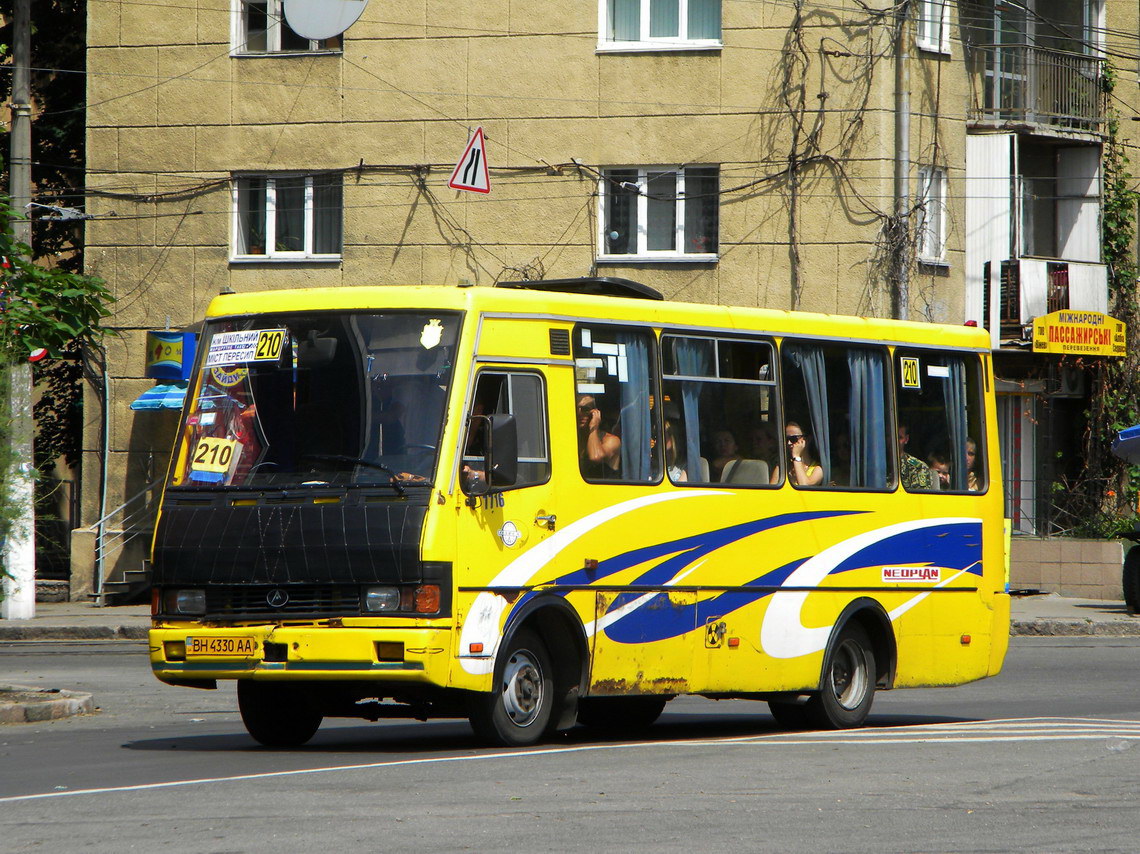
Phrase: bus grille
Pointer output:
(304, 600)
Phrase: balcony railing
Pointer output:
(1034, 85)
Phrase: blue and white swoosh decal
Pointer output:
(954, 540)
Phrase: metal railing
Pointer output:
(1036, 85)
(131, 519)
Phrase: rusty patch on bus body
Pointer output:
(618, 687)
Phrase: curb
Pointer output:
(1074, 628)
(22, 705)
(64, 633)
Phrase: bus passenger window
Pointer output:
(940, 420)
(616, 425)
(720, 398)
(838, 395)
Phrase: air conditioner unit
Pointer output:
(1069, 382)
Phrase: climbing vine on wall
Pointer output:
(1107, 488)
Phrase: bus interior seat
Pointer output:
(702, 470)
(745, 471)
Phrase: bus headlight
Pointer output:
(186, 602)
(382, 599)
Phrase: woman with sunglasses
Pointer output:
(803, 469)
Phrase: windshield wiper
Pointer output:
(394, 482)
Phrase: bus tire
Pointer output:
(620, 713)
(1131, 580)
(277, 715)
(517, 713)
(847, 688)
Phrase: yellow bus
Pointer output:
(572, 501)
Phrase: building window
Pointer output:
(933, 26)
(660, 214)
(659, 24)
(288, 216)
(260, 28)
(932, 216)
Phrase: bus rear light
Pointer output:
(427, 599)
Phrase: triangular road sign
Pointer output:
(471, 170)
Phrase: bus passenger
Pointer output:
(914, 473)
(674, 462)
(598, 449)
(803, 468)
(724, 452)
(972, 481)
(940, 465)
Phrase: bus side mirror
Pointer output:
(496, 436)
(503, 451)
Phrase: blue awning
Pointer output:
(161, 397)
(1126, 445)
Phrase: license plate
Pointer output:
(232, 647)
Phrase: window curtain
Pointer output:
(868, 419)
(636, 426)
(694, 359)
(810, 363)
(251, 216)
(704, 19)
(288, 199)
(954, 401)
(664, 19)
(327, 217)
(625, 20)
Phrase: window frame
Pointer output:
(715, 376)
(270, 219)
(606, 188)
(509, 377)
(274, 11)
(929, 15)
(932, 247)
(647, 43)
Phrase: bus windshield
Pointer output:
(317, 399)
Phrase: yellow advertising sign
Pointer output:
(1079, 333)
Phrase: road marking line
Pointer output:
(1019, 729)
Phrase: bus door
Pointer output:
(498, 524)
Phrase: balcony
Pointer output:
(1028, 85)
(1031, 287)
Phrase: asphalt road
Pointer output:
(1046, 757)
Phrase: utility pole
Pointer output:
(900, 235)
(19, 550)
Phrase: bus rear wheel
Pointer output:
(848, 685)
(517, 712)
(277, 715)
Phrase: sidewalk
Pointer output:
(1040, 614)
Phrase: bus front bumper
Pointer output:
(189, 654)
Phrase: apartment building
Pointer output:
(777, 153)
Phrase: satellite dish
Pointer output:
(322, 19)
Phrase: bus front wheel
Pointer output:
(277, 715)
(848, 685)
(517, 712)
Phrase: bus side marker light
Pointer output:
(733, 643)
(475, 648)
(966, 640)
